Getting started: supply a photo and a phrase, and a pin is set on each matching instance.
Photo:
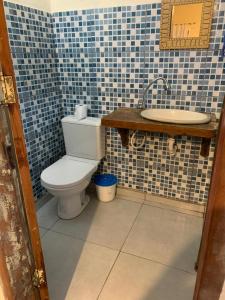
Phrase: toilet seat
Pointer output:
(68, 172)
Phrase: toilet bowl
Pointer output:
(68, 177)
(67, 180)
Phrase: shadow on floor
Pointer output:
(162, 289)
(68, 258)
(76, 270)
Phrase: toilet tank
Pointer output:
(84, 138)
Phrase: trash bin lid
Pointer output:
(105, 180)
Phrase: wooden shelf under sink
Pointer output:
(125, 119)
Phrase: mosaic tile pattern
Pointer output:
(185, 176)
(105, 57)
(34, 59)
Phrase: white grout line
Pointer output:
(46, 230)
(120, 250)
(85, 241)
(142, 204)
(179, 207)
(175, 209)
(160, 263)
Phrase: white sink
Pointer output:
(175, 116)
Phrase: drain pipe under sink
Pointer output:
(172, 146)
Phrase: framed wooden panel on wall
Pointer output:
(185, 24)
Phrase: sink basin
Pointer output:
(175, 116)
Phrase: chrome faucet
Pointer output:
(166, 88)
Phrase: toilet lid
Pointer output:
(67, 172)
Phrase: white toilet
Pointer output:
(68, 177)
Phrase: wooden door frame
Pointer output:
(210, 276)
(21, 155)
(5, 288)
(211, 266)
(16, 257)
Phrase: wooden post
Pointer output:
(211, 266)
(21, 157)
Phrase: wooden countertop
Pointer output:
(130, 118)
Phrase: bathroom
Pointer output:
(145, 243)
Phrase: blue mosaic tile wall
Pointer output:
(34, 59)
(105, 57)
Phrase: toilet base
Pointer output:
(72, 206)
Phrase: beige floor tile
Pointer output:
(165, 236)
(75, 269)
(174, 208)
(134, 278)
(132, 195)
(42, 231)
(105, 224)
(43, 200)
(174, 203)
(47, 214)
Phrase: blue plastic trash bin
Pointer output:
(106, 187)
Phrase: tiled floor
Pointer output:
(122, 250)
